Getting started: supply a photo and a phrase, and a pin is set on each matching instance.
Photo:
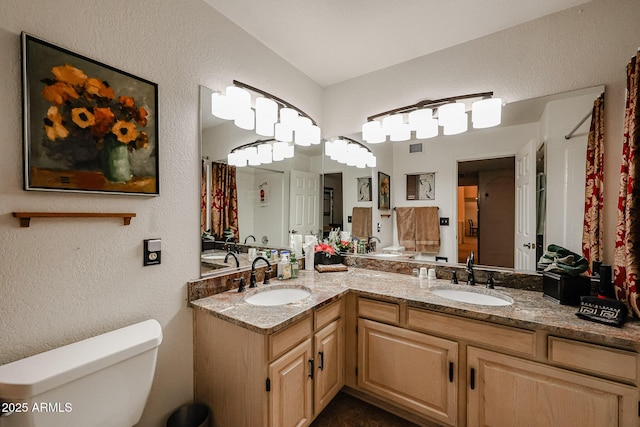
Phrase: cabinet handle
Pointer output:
(472, 380)
(450, 372)
(311, 368)
(321, 364)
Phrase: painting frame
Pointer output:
(384, 191)
(363, 189)
(87, 127)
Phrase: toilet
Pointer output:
(98, 382)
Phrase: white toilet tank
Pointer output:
(98, 382)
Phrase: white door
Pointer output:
(304, 202)
(525, 236)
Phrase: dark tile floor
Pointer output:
(347, 411)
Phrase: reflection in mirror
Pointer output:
(270, 200)
(347, 201)
(478, 176)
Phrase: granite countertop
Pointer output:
(529, 310)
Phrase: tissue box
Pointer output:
(565, 289)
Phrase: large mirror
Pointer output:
(271, 200)
(482, 177)
(464, 167)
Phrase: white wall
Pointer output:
(580, 47)
(63, 280)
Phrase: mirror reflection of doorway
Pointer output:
(486, 211)
(332, 216)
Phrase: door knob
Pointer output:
(529, 245)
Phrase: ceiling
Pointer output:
(336, 40)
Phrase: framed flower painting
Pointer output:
(88, 127)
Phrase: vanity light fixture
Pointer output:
(260, 152)
(350, 152)
(425, 117)
(236, 104)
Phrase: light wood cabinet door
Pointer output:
(329, 360)
(412, 369)
(506, 391)
(290, 397)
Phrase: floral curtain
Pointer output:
(224, 200)
(627, 248)
(593, 199)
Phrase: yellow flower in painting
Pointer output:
(69, 74)
(99, 88)
(53, 125)
(124, 131)
(104, 119)
(82, 117)
(59, 92)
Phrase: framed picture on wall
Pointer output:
(384, 191)
(88, 127)
(364, 189)
(421, 186)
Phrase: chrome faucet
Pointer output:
(371, 248)
(252, 279)
(228, 242)
(247, 238)
(234, 257)
(471, 280)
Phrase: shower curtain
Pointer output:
(224, 200)
(627, 248)
(592, 230)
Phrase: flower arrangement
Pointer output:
(334, 247)
(85, 119)
(86, 105)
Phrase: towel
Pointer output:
(361, 223)
(427, 229)
(406, 224)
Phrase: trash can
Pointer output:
(193, 415)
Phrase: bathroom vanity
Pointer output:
(388, 339)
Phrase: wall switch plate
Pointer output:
(152, 251)
(349, 219)
(444, 221)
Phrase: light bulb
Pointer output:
(449, 113)
(220, 106)
(245, 119)
(486, 113)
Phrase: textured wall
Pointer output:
(581, 47)
(63, 280)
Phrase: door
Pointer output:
(329, 351)
(415, 370)
(290, 398)
(525, 230)
(505, 391)
(304, 197)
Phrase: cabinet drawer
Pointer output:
(328, 313)
(289, 337)
(593, 358)
(383, 311)
(504, 337)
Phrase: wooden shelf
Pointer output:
(25, 217)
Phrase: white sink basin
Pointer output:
(387, 255)
(213, 256)
(278, 296)
(470, 296)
